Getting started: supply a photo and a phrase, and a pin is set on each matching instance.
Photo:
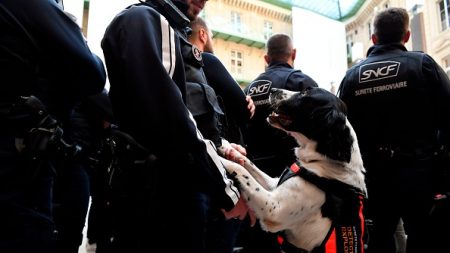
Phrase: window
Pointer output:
(236, 62)
(444, 9)
(236, 21)
(268, 29)
(349, 42)
(349, 45)
(446, 62)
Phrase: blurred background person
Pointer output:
(148, 97)
(237, 110)
(46, 68)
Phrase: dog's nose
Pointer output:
(273, 90)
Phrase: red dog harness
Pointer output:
(343, 205)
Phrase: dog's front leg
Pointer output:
(227, 151)
(268, 205)
(269, 183)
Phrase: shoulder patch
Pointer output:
(259, 88)
(197, 53)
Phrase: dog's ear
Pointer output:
(334, 139)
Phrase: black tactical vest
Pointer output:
(200, 97)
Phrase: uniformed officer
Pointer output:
(269, 148)
(46, 68)
(398, 103)
(143, 48)
(236, 109)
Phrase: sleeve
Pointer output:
(226, 87)
(146, 73)
(345, 90)
(342, 92)
(440, 85)
(74, 67)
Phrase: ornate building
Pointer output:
(359, 28)
(436, 25)
(240, 30)
(430, 29)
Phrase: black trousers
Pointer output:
(144, 225)
(26, 223)
(401, 187)
(71, 203)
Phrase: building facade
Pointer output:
(240, 30)
(430, 29)
(436, 16)
(359, 28)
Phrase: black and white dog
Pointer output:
(323, 203)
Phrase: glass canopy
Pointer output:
(334, 9)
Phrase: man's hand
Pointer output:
(240, 211)
(241, 150)
(251, 106)
(233, 152)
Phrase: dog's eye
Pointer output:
(305, 91)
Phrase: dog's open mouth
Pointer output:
(278, 119)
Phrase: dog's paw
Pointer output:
(224, 148)
(232, 152)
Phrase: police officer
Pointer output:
(46, 68)
(201, 97)
(236, 109)
(398, 103)
(269, 148)
(84, 176)
(143, 50)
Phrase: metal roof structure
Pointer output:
(334, 9)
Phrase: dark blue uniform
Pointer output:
(269, 148)
(201, 98)
(398, 103)
(221, 233)
(148, 94)
(42, 53)
(272, 150)
(231, 98)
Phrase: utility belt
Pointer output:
(435, 157)
(131, 166)
(38, 136)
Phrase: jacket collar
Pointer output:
(379, 49)
(274, 64)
